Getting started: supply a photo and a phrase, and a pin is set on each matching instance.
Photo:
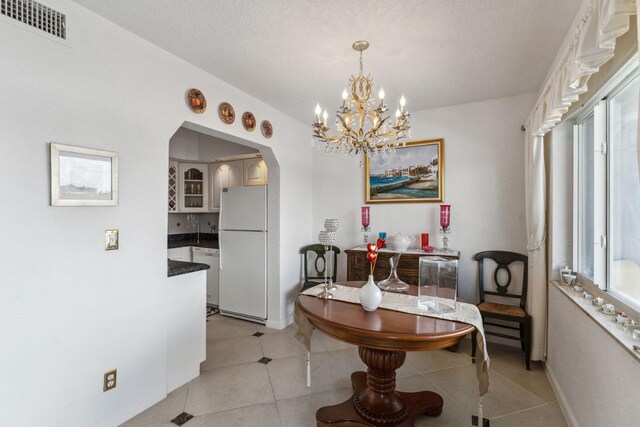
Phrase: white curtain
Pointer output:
(592, 44)
(535, 195)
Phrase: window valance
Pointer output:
(593, 44)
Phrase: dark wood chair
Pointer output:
(319, 264)
(505, 312)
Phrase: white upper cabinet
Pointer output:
(196, 187)
(223, 175)
(234, 174)
(217, 175)
(255, 172)
(193, 180)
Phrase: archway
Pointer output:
(273, 215)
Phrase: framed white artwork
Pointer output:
(83, 176)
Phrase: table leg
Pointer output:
(375, 400)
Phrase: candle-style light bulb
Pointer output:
(345, 94)
(403, 101)
(381, 94)
(318, 110)
(398, 113)
(324, 116)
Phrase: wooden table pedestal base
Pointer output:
(375, 401)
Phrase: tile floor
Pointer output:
(234, 389)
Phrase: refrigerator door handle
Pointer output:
(222, 190)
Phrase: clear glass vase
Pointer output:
(393, 283)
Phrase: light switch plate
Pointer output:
(111, 240)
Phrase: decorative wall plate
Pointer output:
(226, 113)
(196, 101)
(267, 129)
(248, 121)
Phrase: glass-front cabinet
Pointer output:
(193, 181)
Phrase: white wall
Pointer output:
(210, 148)
(586, 366)
(187, 144)
(69, 310)
(183, 145)
(559, 149)
(596, 380)
(484, 183)
(178, 223)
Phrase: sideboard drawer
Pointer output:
(358, 266)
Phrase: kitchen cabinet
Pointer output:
(173, 186)
(186, 326)
(224, 175)
(358, 266)
(211, 257)
(255, 172)
(193, 183)
(196, 187)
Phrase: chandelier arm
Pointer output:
(346, 127)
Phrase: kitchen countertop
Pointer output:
(176, 268)
(211, 244)
(207, 240)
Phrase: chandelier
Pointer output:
(361, 126)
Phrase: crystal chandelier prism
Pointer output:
(361, 125)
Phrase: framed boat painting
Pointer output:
(413, 174)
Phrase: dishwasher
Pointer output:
(211, 257)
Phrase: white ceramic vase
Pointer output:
(370, 295)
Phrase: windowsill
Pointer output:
(603, 320)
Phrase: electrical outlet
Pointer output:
(110, 378)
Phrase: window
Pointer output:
(585, 198)
(607, 191)
(624, 193)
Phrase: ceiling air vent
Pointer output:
(36, 15)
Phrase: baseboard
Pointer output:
(562, 400)
(131, 411)
(279, 325)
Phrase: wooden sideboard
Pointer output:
(358, 267)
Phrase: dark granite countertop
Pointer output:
(207, 240)
(177, 268)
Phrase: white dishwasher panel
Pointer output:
(211, 257)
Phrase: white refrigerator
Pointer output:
(243, 252)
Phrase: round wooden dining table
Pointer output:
(383, 337)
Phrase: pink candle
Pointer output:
(445, 216)
(425, 241)
(365, 216)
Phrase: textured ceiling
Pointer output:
(294, 53)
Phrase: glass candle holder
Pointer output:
(366, 221)
(445, 216)
(445, 221)
(366, 218)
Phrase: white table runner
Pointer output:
(465, 313)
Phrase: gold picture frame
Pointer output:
(413, 174)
